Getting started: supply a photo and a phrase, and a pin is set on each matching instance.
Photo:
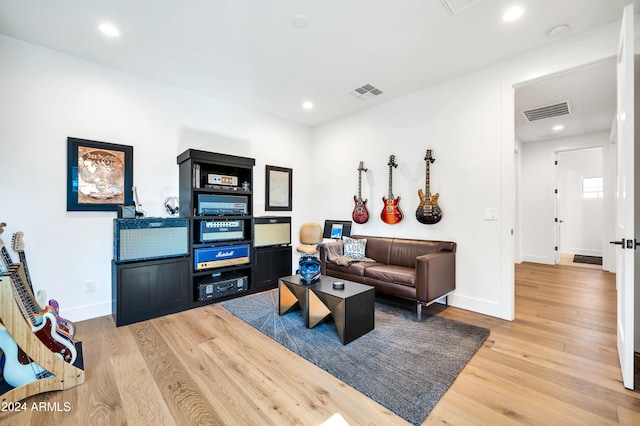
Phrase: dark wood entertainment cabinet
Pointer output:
(151, 288)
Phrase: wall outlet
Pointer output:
(89, 286)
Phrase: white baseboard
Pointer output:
(86, 312)
(584, 252)
(539, 259)
(477, 305)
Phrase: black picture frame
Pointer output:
(279, 188)
(104, 179)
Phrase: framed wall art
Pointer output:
(99, 175)
(278, 192)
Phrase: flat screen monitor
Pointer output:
(336, 229)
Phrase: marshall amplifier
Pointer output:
(214, 205)
(221, 230)
(223, 286)
(216, 257)
(150, 238)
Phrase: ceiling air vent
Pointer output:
(547, 111)
(456, 6)
(365, 92)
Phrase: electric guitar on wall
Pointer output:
(391, 213)
(428, 211)
(360, 213)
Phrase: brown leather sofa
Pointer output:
(419, 270)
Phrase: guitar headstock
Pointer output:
(392, 161)
(18, 242)
(429, 156)
(361, 167)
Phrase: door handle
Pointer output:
(620, 243)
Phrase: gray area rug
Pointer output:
(403, 365)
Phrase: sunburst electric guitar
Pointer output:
(360, 213)
(428, 211)
(391, 212)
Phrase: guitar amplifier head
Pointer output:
(150, 238)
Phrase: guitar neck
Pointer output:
(6, 259)
(26, 303)
(390, 182)
(426, 185)
(23, 260)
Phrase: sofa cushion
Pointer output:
(354, 248)
(392, 274)
(404, 252)
(356, 268)
(377, 248)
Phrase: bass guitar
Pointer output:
(63, 323)
(391, 212)
(360, 213)
(428, 211)
(15, 370)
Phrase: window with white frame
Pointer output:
(592, 187)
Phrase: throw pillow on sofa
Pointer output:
(354, 248)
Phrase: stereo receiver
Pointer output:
(216, 205)
(221, 230)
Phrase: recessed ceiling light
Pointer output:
(307, 105)
(512, 14)
(558, 127)
(109, 29)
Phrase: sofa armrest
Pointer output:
(324, 250)
(435, 275)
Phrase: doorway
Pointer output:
(580, 207)
(576, 128)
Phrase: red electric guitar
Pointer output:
(360, 213)
(391, 213)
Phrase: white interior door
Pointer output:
(625, 195)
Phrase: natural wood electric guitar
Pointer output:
(360, 213)
(428, 211)
(391, 212)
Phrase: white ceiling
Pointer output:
(248, 52)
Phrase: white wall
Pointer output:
(47, 96)
(582, 227)
(468, 123)
(537, 196)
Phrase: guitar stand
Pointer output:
(64, 375)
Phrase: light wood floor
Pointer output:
(555, 364)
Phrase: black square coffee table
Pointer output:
(352, 308)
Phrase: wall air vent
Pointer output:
(365, 92)
(547, 111)
(457, 6)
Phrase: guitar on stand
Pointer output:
(428, 211)
(66, 325)
(16, 366)
(137, 205)
(360, 213)
(391, 212)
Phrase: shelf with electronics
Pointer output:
(215, 192)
